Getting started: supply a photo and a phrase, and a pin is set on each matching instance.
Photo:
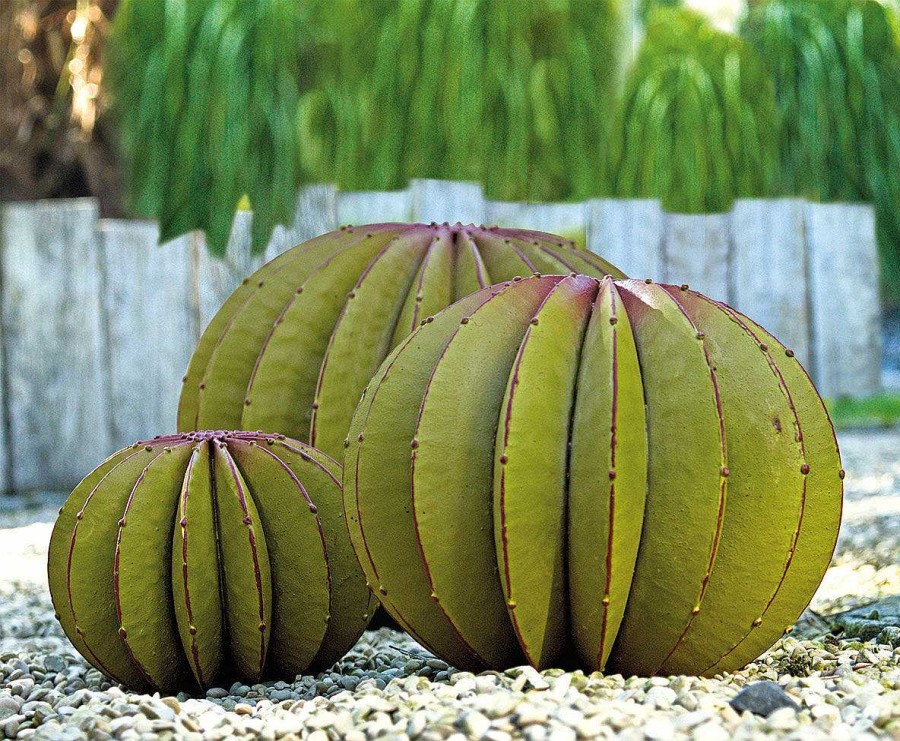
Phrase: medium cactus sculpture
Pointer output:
(571, 471)
(293, 348)
(217, 555)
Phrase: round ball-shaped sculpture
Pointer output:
(293, 348)
(213, 555)
(616, 475)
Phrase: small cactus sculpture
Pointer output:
(293, 348)
(222, 555)
(571, 471)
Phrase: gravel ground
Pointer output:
(827, 687)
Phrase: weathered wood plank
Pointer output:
(217, 277)
(446, 200)
(314, 214)
(569, 220)
(844, 297)
(55, 349)
(697, 252)
(372, 207)
(768, 271)
(628, 233)
(149, 306)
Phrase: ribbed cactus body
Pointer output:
(294, 346)
(619, 475)
(199, 558)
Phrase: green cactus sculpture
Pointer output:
(572, 471)
(217, 555)
(293, 348)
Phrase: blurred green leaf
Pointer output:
(516, 95)
(207, 96)
(697, 126)
(836, 67)
(879, 410)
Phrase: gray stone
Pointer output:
(12, 724)
(55, 663)
(762, 698)
(869, 621)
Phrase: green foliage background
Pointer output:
(836, 68)
(695, 125)
(225, 101)
(227, 97)
(515, 94)
(207, 96)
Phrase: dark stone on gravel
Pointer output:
(890, 636)
(869, 621)
(762, 698)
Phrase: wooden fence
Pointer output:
(98, 322)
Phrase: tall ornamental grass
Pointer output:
(836, 67)
(223, 98)
(697, 125)
(515, 95)
(207, 96)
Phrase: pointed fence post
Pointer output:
(845, 305)
(149, 308)
(314, 214)
(446, 200)
(372, 207)
(768, 271)
(628, 233)
(568, 220)
(697, 251)
(217, 277)
(54, 343)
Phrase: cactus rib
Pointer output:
(353, 355)
(531, 469)
(147, 645)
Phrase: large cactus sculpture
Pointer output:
(215, 555)
(293, 348)
(619, 475)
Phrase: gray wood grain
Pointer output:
(844, 297)
(372, 207)
(568, 220)
(217, 277)
(315, 213)
(55, 349)
(445, 200)
(768, 276)
(148, 298)
(696, 249)
(628, 233)
(97, 322)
